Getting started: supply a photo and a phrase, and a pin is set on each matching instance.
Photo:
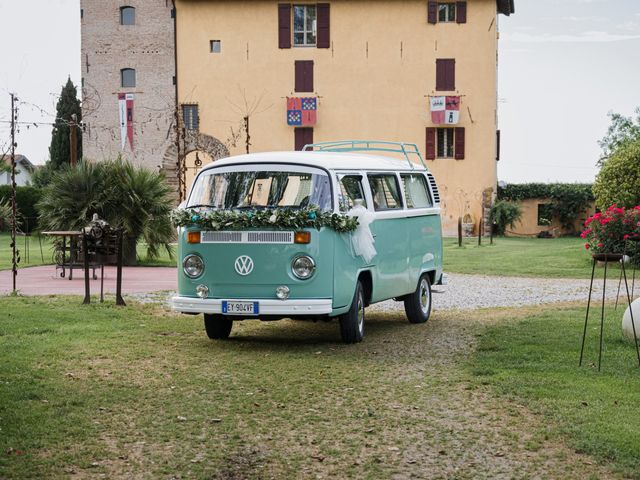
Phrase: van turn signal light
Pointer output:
(302, 237)
(193, 237)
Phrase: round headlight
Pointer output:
(303, 267)
(193, 266)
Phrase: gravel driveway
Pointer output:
(468, 292)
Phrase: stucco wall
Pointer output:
(528, 223)
(372, 83)
(107, 47)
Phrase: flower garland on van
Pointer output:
(279, 218)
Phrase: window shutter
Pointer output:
(431, 144)
(461, 12)
(303, 136)
(284, 25)
(323, 40)
(432, 12)
(497, 145)
(304, 75)
(445, 74)
(459, 143)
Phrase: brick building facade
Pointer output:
(128, 84)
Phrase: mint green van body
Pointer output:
(267, 274)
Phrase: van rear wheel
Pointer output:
(218, 327)
(352, 322)
(418, 304)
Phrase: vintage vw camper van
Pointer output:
(319, 233)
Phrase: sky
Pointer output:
(564, 64)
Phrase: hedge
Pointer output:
(26, 197)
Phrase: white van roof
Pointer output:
(327, 160)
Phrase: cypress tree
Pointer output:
(68, 104)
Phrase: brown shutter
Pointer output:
(304, 75)
(445, 74)
(461, 12)
(303, 136)
(323, 40)
(459, 143)
(284, 25)
(430, 153)
(497, 145)
(432, 12)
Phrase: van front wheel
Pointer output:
(352, 322)
(218, 327)
(418, 304)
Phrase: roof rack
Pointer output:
(368, 145)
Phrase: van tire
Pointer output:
(218, 327)
(418, 304)
(352, 322)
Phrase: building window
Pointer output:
(545, 214)
(302, 137)
(215, 46)
(445, 142)
(127, 16)
(446, 12)
(304, 25)
(190, 117)
(446, 74)
(127, 78)
(385, 192)
(303, 76)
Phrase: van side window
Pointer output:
(385, 192)
(350, 191)
(415, 191)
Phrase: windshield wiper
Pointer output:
(202, 205)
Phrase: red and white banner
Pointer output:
(125, 108)
(445, 110)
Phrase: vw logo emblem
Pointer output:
(244, 265)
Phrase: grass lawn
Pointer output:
(45, 258)
(136, 392)
(521, 257)
(535, 362)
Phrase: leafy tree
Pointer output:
(133, 198)
(619, 178)
(622, 130)
(68, 104)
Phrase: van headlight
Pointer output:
(193, 265)
(303, 267)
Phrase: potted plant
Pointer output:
(607, 233)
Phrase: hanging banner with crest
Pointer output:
(445, 110)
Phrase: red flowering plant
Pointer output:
(611, 231)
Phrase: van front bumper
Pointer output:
(267, 307)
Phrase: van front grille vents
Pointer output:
(434, 188)
(246, 237)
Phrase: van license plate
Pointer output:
(240, 308)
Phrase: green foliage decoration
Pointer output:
(277, 218)
(133, 198)
(568, 200)
(68, 104)
(618, 181)
(27, 198)
(505, 214)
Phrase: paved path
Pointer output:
(43, 281)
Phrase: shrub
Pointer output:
(608, 231)
(618, 182)
(133, 198)
(505, 214)
(26, 198)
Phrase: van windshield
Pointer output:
(257, 189)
